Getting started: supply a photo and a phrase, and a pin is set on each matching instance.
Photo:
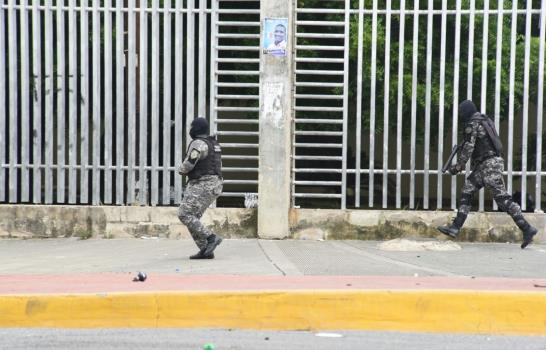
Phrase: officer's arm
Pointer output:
(470, 134)
(196, 151)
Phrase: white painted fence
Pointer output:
(91, 116)
(391, 72)
(96, 96)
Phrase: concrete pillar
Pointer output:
(275, 128)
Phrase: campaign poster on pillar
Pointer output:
(275, 36)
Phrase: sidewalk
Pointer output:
(259, 284)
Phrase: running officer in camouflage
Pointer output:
(203, 166)
(483, 146)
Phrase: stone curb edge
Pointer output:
(445, 311)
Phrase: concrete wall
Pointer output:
(41, 221)
(390, 224)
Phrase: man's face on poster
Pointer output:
(280, 33)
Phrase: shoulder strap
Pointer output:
(478, 116)
(489, 127)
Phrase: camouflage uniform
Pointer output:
(487, 166)
(485, 173)
(198, 196)
(200, 192)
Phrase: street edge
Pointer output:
(447, 311)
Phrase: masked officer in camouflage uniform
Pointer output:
(203, 166)
(482, 144)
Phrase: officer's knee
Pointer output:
(514, 209)
(184, 216)
(504, 202)
(185, 219)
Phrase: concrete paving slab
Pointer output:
(262, 257)
(480, 260)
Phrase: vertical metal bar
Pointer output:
(414, 100)
(3, 116)
(427, 105)
(483, 104)
(73, 101)
(143, 110)
(470, 71)
(372, 105)
(95, 197)
(13, 99)
(213, 77)
(213, 65)
(61, 102)
(386, 102)
(155, 102)
(513, 37)
(190, 68)
(470, 64)
(346, 45)
(120, 101)
(441, 103)
(49, 117)
(525, 121)
(540, 108)
(25, 102)
(455, 119)
(108, 102)
(202, 81)
(131, 103)
(84, 102)
(37, 103)
(178, 97)
(360, 50)
(401, 46)
(167, 117)
(498, 63)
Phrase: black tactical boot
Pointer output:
(528, 236)
(453, 229)
(201, 255)
(528, 230)
(212, 242)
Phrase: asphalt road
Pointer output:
(117, 339)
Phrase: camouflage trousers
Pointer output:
(198, 196)
(489, 174)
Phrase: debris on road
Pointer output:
(141, 277)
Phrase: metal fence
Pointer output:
(96, 97)
(376, 82)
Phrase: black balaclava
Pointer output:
(466, 109)
(199, 127)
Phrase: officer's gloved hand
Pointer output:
(453, 170)
(179, 170)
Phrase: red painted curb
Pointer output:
(122, 282)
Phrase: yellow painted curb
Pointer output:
(486, 312)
